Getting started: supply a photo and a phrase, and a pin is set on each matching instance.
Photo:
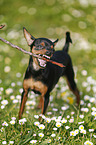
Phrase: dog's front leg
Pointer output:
(23, 101)
(45, 102)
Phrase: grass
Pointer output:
(49, 19)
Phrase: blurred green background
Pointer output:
(51, 19)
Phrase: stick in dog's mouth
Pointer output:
(1, 26)
(42, 63)
(44, 57)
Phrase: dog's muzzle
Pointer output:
(42, 63)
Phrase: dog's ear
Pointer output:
(28, 36)
(55, 42)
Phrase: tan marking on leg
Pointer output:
(42, 106)
(23, 104)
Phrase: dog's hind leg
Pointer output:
(39, 106)
(74, 89)
(23, 101)
(71, 83)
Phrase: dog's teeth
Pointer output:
(46, 56)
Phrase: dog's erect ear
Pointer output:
(28, 36)
(55, 42)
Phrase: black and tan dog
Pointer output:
(41, 76)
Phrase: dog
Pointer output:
(42, 76)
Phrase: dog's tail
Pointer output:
(68, 41)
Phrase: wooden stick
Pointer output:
(1, 26)
(29, 53)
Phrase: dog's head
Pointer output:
(40, 46)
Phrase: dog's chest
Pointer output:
(35, 85)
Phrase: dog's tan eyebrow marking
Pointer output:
(42, 43)
(52, 46)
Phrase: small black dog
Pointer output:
(41, 76)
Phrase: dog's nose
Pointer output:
(50, 51)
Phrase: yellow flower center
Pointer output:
(58, 125)
(63, 94)
(71, 101)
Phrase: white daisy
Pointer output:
(58, 124)
(4, 102)
(81, 127)
(11, 142)
(36, 116)
(83, 131)
(4, 142)
(81, 116)
(91, 130)
(71, 120)
(88, 143)
(9, 91)
(12, 122)
(4, 123)
(84, 72)
(72, 133)
(94, 113)
(41, 134)
(36, 123)
(48, 120)
(33, 141)
(22, 121)
(63, 121)
(67, 127)
(41, 126)
(76, 131)
(54, 128)
(53, 135)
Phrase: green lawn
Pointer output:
(64, 123)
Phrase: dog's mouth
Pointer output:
(42, 63)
